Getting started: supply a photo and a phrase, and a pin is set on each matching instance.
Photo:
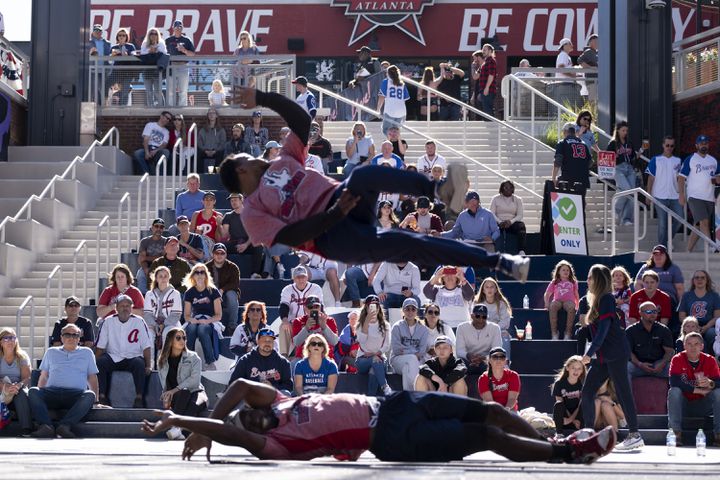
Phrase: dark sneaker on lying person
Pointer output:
(514, 266)
(44, 431)
(452, 190)
(588, 450)
(64, 431)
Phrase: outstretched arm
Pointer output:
(296, 118)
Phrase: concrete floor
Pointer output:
(158, 459)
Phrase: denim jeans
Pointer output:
(675, 206)
(487, 104)
(145, 167)
(389, 121)
(179, 81)
(78, 403)
(624, 180)
(395, 300)
(678, 407)
(635, 372)
(203, 332)
(357, 286)
(376, 377)
(450, 111)
(230, 310)
(141, 281)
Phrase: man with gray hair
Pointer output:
(387, 156)
(124, 345)
(651, 345)
(68, 380)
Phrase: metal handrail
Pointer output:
(49, 190)
(104, 222)
(81, 246)
(708, 242)
(193, 133)
(162, 162)
(29, 300)
(177, 156)
(124, 225)
(680, 44)
(140, 222)
(416, 132)
(56, 270)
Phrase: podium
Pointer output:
(562, 227)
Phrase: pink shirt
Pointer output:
(563, 291)
(315, 425)
(287, 193)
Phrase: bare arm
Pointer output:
(332, 383)
(299, 384)
(512, 400)
(42, 381)
(92, 381)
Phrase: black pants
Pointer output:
(517, 228)
(355, 239)
(185, 402)
(204, 161)
(255, 254)
(596, 376)
(560, 411)
(107, 366)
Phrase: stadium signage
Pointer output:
(371, 15)
(568, 220)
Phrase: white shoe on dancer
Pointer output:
(514, 266)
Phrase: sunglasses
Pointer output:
(432, 312)
(498, 357)
(649, 312)
(316, 344)
(9, 339)
(410, 308)
(168, 118)
(254, 309)
(73, 305)
(180, 337)
(669, 145)
(199, 273)
(71, 335)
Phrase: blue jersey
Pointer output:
(395, 98)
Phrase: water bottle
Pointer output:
(528, 331)
(700, 443)
(526, 302)
(671, 442)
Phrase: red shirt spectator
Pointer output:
(500, 389)
(680, 368)
(660, 299)
(108, 295)
(299, 323)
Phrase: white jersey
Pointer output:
(313, 162)
(170, 305)
(295, 298)
(699, 172)
(426, 164)
(124, 340)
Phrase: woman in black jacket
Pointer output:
(443, 372)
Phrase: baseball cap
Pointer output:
(480, 310)
(301, 81)
(423, 202)
(208, 194)
(257, 113)
(386, 161)
(266, 332)
(299, 271)
(72, 299)
(172, 239)
(565, 41)
(364, 48)
(123, 298)
(443, 339)
(659, 248)
(592, 37)
(495, 350)
(569, 126)
(97, 28)
(219, 246)
(472, 195)
(409, 302)
(181, 219)
(158, 221)
(272, 144)
(177, 24)
(702, 138)
(312, 301)
(372, 299)
(235, 195)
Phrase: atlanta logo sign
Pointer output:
(370, 15)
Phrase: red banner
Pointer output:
(410, 28)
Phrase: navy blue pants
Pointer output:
(596, 376)
(355, 238)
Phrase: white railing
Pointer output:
(358, 106)
(695, 64)
(161, 163)
(635, 192)
(29, 301)
(81, 246)
(55, 271)
(192, 133)
(126, 224)
(105, 222)
(142, 223)
(48, 192)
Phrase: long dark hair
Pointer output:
(583, 113)
(383, 325)
(616, 136)
(253, 303)
(393, 73)
(167, 346)
(651, 263)
(393, 218)
(440, 325)
(601, 285)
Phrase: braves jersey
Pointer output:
(296, 298)
(287, 193)
(313, 162)
(680, 367)
(425, 164)
(665, 170)
(573, 157)
(699, 172)
(395, 98)
(314, 426)
(163, 306)
(307, 101)
(124, 340)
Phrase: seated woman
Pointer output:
(444, 372)
(373, 336)
(119, 282)
(499, 384)
(180, 370)
(315, 373)
(436, 326)
(203, 311)
(345, 351)
(567, 390)
(499, 309)
(15, 366)
(254, 319)
(608, 411)
(163, 307)
(689, 324)
(508, 209)
(449, 288)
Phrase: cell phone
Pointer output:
(372, 308)
(314, 315)
(403, 289)
(449, 271)
(359, 133)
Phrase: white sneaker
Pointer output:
(256, 275)
(175, 434)
(627, 222)
(514, 266)
(387, 390)
(555, 336)
(281, 271)
(632, 442)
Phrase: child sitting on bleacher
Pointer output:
(567, 390)
(690, 324)
(607, 409)
(622, 292)
(562, 294)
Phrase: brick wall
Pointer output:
(693, 117)
(131, 126)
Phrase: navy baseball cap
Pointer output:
(181, 219)
(301, 81)
(266, 332)
(480, 310)
(472, 195)
(423, 202)
(702, 139)
(312, 301)
(495, 350)
(219, 246)
(177, 24)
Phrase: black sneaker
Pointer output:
(64, 431)
(44, 431)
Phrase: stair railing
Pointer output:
(55, 271)
(28, 302)
(82, 246)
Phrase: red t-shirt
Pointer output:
(287, 193)
(510, 382)
(107, 297)
(207, 227)
(661, 299)
(299, 323)
(679, 365)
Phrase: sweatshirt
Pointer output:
(373, 341)
(454, 369)
(609, 342)
(405, 343)
(470, 340)
(390, 278)
(274, 368)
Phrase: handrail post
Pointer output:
(144, 178)
(121, 224)
(57, 269)
(105, 220)
(465, 134)
(605, 211)
(81, 246)
(29, 300)
(636, 226)
(163, 162)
